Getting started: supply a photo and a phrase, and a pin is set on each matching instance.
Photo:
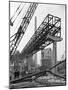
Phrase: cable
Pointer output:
(16, 27)
(15, 11)
(11, 23)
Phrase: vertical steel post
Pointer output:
(54, 54)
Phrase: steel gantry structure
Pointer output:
(21, 30)
(47, 32)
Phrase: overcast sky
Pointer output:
(41, 12)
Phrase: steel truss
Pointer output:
(51, 25)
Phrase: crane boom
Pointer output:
(21, 30)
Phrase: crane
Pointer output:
(21, 30)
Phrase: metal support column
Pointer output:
(54, 54)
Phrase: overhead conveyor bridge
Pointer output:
(50, 27)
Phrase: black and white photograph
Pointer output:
(37, 44)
